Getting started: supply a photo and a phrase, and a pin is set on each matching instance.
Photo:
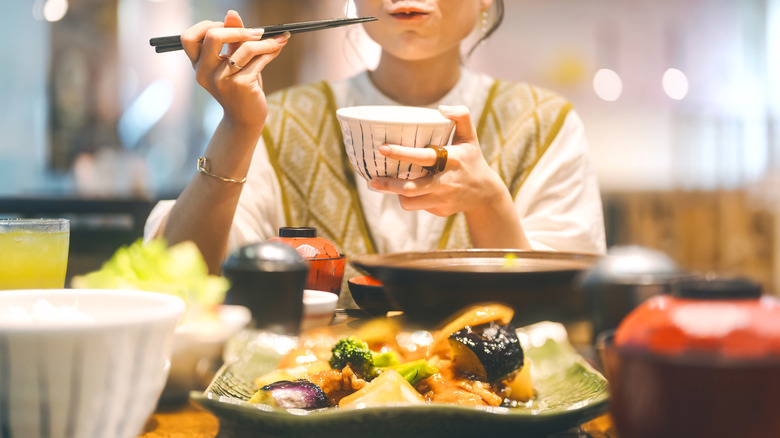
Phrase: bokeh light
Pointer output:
(607, 85)
(675, 84)
(54, 10)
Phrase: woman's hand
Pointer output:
(233, 78)
(467, 184)
(204, 211)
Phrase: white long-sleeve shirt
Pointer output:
(559, 204)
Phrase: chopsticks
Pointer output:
(172, 43)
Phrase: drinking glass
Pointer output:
(33, 253)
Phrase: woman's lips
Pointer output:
(411, 15)
(408, 12)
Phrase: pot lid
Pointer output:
(632, 264)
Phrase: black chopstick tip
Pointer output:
(165, 49)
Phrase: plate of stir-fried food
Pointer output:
(476, 373)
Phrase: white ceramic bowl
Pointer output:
(197, 351)
(318, 308)
(366, 128)
(77, 362)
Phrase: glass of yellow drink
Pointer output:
(33, 253)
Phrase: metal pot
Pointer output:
(623, 279)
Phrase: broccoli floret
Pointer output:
(355, 352)
(368, 364)
(416, 370)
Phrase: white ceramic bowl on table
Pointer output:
(366, 128)
(78, 362)
(318, 308)
(198, 349)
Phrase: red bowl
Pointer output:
(685, 396)
(326, 263)
(326, 274)
(369, 295)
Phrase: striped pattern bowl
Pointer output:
(94, 371)
(366, 128)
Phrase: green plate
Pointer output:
(569, 392)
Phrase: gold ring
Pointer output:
(233, 64)
(441, 159)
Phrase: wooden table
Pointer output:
(190, 421)
(187, 421)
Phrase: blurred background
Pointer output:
(680, 99)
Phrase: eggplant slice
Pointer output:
(488, 352)
(292, 394)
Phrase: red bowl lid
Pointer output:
(308, 244)
(727, 318)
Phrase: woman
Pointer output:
(524, 182)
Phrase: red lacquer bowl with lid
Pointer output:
(326, 263)
(702, 361)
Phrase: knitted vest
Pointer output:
(306, 149)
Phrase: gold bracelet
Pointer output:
(202, 169)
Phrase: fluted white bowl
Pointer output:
(319, 306)
(197, 351)
(96, 370)
(366, 128)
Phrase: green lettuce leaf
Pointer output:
(177, 270)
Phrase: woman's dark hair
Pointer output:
(499, 5)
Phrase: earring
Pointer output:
(484, 22)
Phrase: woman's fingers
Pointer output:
(253, 56)
(429, 202)
(420, 156)
(246, 52)
(418, 194)
(192, 38)
(406, 187)
(232, 19)
(258, 63)
(460, 187)
(216, 37)
(465, 132)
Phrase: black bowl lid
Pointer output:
(718, 288)
(266, 256)
(297, 232)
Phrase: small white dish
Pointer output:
(318, 309)
(197, 351)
